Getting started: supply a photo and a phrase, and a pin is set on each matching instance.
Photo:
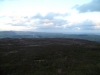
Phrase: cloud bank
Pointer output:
(93, 6)
(51, 22)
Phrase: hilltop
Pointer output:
(30, 34)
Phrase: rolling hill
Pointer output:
(27, 34)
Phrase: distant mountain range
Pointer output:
(29, 34)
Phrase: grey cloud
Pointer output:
(93, 6)
(49, 15)
(49, 20)
(26, 17)
(59, 22)
(38, 16)
(55, 24)
(86, 25)
(17, 24)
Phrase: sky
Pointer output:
(66, 16)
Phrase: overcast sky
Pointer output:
(50, 15)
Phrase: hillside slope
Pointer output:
(49, 57)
